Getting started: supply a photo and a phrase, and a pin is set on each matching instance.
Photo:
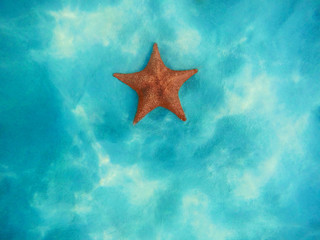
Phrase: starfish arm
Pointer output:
(155, 63)
(180, 77)
(145, 105)
(133, 80)
(173, 104)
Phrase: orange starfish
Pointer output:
(157, 86)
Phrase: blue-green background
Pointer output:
(246, 163)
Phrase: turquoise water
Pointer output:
(246, 163)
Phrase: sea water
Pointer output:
(245, 164)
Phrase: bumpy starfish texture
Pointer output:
(157, 86)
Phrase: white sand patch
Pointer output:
(196, 213)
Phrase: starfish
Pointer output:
(157, 86)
